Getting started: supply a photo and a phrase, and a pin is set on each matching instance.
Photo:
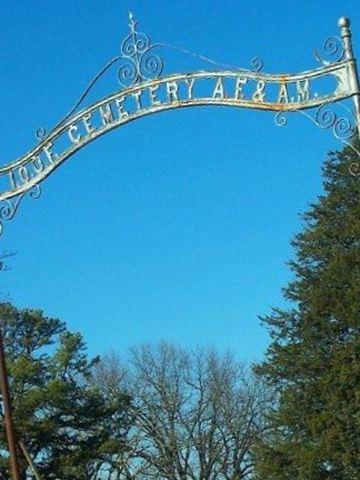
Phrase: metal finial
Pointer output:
(132, 21)
(344, 22)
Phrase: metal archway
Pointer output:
(144, 91)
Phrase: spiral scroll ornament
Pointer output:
(8, 208)
(280, 119)
(257, 64)
(342, 127)
(40, 134)
(332, 51)
(354, 169)
(325, 118)
(140, 62)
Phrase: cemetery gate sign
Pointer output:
(144, 90)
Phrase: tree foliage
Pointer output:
(313, 361)
(70, 428)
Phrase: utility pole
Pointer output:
(9, 424)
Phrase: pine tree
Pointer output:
(313, 362)
(70, 428)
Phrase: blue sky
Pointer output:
(176, 226)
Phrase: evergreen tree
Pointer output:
(68, 425)
(313, 362)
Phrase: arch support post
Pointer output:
(9, 424)
(345, 30)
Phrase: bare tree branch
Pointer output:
(196, 413)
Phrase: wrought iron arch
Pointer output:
(144, 91)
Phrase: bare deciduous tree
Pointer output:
(196, 413)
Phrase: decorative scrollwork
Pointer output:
(141, 63)
(35, 192)
(8, 208)
(325, 117)
(332, 51)
(280, 119)
(257, 64)
(40, 133)
(342, 127)
(354, 169)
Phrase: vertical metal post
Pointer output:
(30, 461)
(344, 24)
(9, 425)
